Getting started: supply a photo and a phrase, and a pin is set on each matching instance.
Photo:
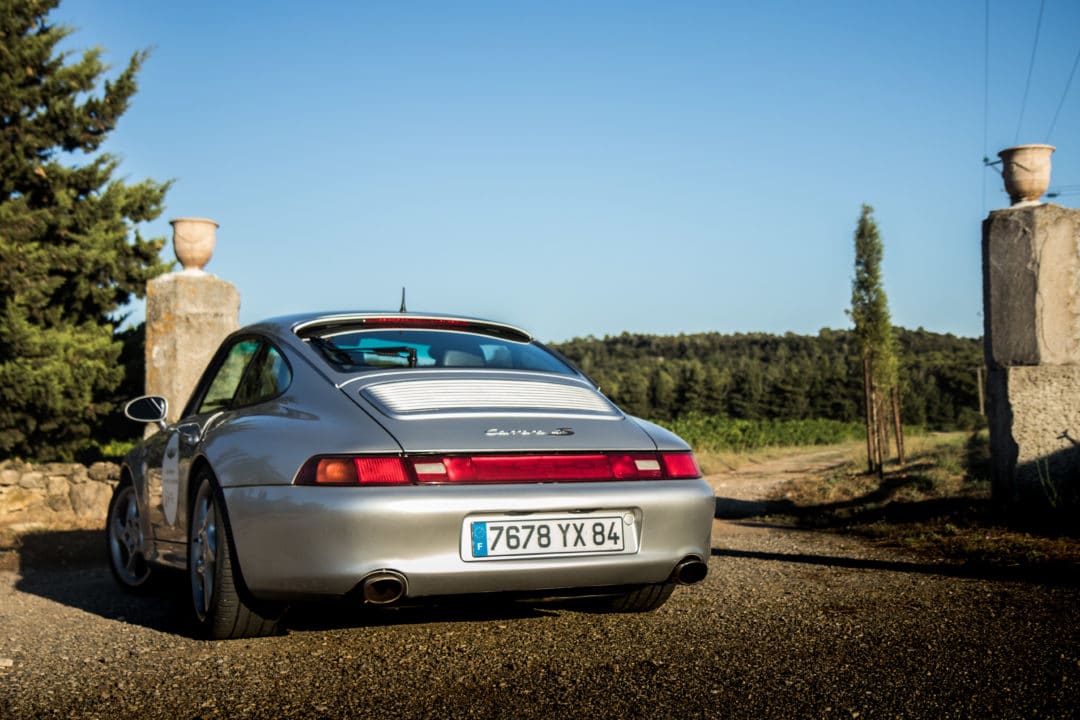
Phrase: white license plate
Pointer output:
(499, 536)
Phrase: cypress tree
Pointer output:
(877, 345)
(71, 255)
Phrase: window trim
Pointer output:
(214, 367)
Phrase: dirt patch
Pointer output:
(743, 492)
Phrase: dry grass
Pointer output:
(939, 504)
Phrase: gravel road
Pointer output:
(789, 623)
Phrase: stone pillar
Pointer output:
(188, 313)
(1031, 313)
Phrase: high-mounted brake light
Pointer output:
(481, 469)
(417, 322)
(481, 327)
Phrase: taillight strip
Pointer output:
(381, 470)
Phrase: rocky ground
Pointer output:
(789, 623)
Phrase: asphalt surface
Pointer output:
(789, 623)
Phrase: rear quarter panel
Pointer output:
(662, 437)
(267, 443)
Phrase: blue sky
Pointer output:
(588, 168)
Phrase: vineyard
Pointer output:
(712, 433)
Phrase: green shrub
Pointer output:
(716, 433)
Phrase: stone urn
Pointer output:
(193, 242)
(1026, 171)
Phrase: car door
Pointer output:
(215, 397)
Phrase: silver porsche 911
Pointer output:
(396, 457)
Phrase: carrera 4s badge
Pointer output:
(557, 432)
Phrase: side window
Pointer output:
(268, 377)
(227, 379)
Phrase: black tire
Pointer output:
(125, 544)
(643, 599)
(219, 608)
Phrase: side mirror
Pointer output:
(148, 409)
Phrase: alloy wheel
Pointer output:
(203, 548)
(126, 539)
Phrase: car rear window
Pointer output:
(353, 349)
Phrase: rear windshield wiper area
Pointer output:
(401, 351)
(370, 357)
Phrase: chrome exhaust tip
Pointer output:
(690, 571)
(384, 587)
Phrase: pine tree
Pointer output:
(71, 255)
(877, 345)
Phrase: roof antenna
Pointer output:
(403, 300)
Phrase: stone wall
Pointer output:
(55, 492)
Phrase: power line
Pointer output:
(1031, 68)
(986, 99)
(1060, 190)
(1062, 103)
(986, 81)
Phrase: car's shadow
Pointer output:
(70, 567)
(335, 614)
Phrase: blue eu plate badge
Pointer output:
(479, 539)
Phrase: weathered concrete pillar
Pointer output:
(1031, 313)
(188, 313)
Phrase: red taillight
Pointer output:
(635, 466)
(474, 469)
(365, 470)
(680, 466)
(381, 471)
(538, 468)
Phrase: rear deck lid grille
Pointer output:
(428, 398)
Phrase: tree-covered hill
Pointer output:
(759, 376)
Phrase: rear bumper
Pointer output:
(296, 542)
